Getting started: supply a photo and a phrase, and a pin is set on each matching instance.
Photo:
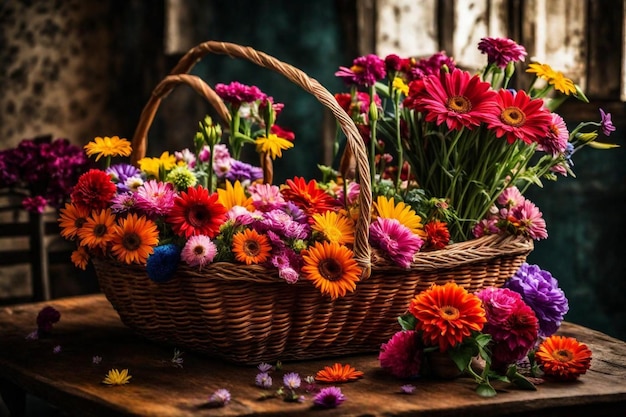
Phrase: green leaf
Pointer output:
(485, 390)
(407, 321)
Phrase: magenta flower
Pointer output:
(540, 290)
(431, 66)
(511, 197)
(329, 397)
(486, 227)
(365, 71)
(402, 354)
(46, 317)
(198, 251)
(555, 142)
(155, 198)
(36, 204)
(528, 220)
(607, 124)
(122, 203)
(501, 51)
(236, 93)
(266, 197)
(396, 240)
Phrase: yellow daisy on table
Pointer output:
(134, 239)
(116, 377)
(97, 231)
(108, 146)
(251, 247)
(387, 208)
(332, 268)
(334, 226)
(272, 145)
(234, 195)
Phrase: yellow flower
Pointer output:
(562, 84)
(107, 146)
(115, 377)
(388, 209)
(544, 71)
(234, 195)
(400, 85)
(155, 166)
(273, 145)
(334, 226)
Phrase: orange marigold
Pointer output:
(447, 314)
(563, 357)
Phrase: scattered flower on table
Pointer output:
(46, 318)
(264, 367)
(407, 389)
(57, 349)
(292, 380)
(220, 398)
(563, 358)
(178, 360)
(338, 373)
(96, 360)
(34, 335)
(263, 380)
(329, 397)
(117, 377)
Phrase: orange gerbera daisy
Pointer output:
(196, 212)
(334, 226)
(308, 196)
(80, 258)
(251, 247)
(447, 314)
(134, 239)
(563, 357)
(97, 231)
(331, 267)
(72, 218)
(338, 373)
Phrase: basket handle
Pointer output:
(354, 142)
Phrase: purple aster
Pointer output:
(220, 397)
(263, 380)
(155, 198)
(402, 354)
(501, 51)
(365, 71)
(292, 380)
(120, 173)
(329, 397)
(243, 172)
(540, 290)
(607, 124)
(396, 240)
(264, 367)
(407, 389)
(46, 318)
(296, 213)
(236, 93)
(56, 349)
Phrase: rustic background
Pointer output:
(84, 68)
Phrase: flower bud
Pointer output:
(587, 137)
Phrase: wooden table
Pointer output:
(89, 326)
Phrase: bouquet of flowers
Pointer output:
(42, 170)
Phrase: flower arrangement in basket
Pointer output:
(199, 249)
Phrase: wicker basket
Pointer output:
(247, 314)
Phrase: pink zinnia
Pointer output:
(198, 251)
(511, 197)
(528, 220)
(501, 51)
(396, 240)
(486, 227)
(555, 142)
(365, 71)
(520, 117)
(236, 93)
(402, 354)
(266, 197)
(456, 99)
(155, 198)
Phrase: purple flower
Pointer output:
(46, 318)
(243, 172)
(96, 360)
(407, 389)
(264, 367)
(120, 173)
(540, 290)
(431, 66)
(501, 51)
(36, 204)
(607, 124)
(292, 380)
(56, 349)
(329, 397)
(365, 71)
(220, 397)
(263, 380)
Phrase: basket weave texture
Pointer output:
(247, 314)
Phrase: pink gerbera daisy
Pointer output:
(520, 117)
(510, 197)
(198, 251)
(155, 198)
(266, 197)
(456, 98)
(396, 240)
(555, 142)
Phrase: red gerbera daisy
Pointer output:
(196, 212)
(93, 190)
(437, 234)
(456, 98)
(308, 196)
(520, 117)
